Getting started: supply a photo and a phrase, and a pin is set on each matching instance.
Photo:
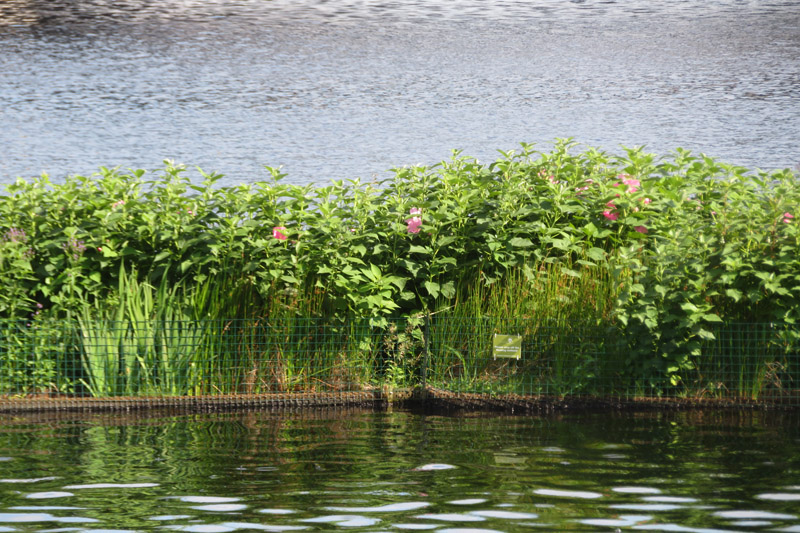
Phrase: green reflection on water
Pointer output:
(397, 470)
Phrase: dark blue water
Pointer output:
(400, 471)
(342, 89)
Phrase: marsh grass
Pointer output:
(563, 314)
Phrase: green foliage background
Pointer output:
(661, 251)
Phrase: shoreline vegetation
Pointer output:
(628, 274)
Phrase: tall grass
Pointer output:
(147, 342)
(563, 312)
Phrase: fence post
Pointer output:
(426, 333)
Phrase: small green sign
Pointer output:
(507, 346)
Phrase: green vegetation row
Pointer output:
(659, 251)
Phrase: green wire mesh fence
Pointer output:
(743, 363)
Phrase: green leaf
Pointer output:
(432, 288)
(705, 334)
(445, 240)
(397, 281)
(448, 290)
(590, 230)
(596, 254)
(520, 242)
(689, 306)
(407, 296)
(416, 249)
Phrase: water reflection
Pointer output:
(257, 471)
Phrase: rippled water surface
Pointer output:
(384, 471)
(333, 89)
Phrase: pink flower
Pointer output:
(276, 232)
(413, 224)
(640, 229)
(633, 185)
(608, 213)
(787, 218)
(646, 200)
(117, 204)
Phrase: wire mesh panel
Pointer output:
(741, 363)
(223, 358)
(253, 356)
(38, 358)
(555, 358)
(242, 358)
(750, 361)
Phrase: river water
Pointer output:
(335, 89)
(400, 471)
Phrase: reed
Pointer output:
(564, 315)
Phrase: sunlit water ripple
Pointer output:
(400, 471)
(345, 89)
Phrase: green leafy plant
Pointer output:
(654, 255)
